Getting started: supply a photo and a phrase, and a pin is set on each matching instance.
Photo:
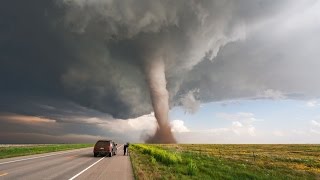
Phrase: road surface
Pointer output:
(69, 165)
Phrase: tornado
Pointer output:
(156, 79)
(126, 48)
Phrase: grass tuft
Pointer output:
(160, 155)
(192, 168)
(153, 160)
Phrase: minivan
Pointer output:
(105, 147)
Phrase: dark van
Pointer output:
(105, 147)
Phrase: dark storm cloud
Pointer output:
(284, 60)
(71, 59)
(36, 61)
(29, 52)
(100, 66)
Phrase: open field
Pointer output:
(7, 151)
(183, 161)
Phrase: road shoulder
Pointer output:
(117, 167)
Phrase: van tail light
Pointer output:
(110, 148)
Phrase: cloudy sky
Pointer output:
(237, 71)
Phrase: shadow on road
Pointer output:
(86, 155)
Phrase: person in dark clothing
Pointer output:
(125, 149)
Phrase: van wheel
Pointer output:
(95, 154)
(110, 154)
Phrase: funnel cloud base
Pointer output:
(162, 136)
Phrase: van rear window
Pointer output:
(103, 143)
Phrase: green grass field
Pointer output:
(14, 151)
(182, 161)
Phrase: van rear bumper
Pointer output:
(101, 152)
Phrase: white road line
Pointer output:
(4, 174)
(75, 176)
(39, 157)
(85, 169)
(119, 147)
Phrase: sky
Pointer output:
(237, 71)
(250, 121)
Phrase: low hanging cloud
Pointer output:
(26, 119)
(190, 103)
(272, 94)
(246, 127)
(244, 117)
(242, 122)
(143, 123)
(238, 126)
(315, 123)
(23, 138)
(178, 126)
(83, 62)
(312, 103)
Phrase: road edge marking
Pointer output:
(4, 174)
(119, 147)
(18, 160)
(75, 176)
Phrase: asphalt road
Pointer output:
(69, 165)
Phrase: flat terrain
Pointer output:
(182, 161)
(15, 150)
(71, 164)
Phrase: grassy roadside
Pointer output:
(225, 161)
(14, 151)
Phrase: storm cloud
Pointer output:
(69, 60)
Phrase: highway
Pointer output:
(69, 165)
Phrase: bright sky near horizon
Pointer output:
(251, 121)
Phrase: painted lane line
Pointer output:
(3, 174)
(85, 169)
(119, 147)
(39, 157)
(75, 176)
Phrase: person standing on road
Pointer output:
(125, 149)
